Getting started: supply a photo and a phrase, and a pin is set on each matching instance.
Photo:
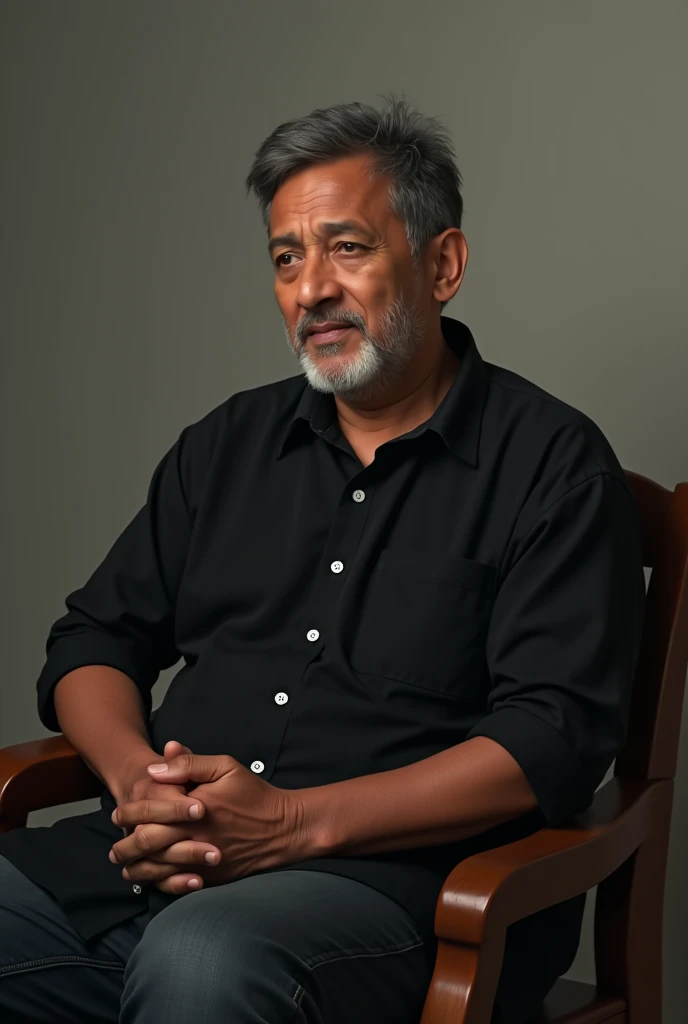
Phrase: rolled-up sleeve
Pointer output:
(124, 615)
(563, 642)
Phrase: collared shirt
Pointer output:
(481, 577)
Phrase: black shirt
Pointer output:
(481, 577)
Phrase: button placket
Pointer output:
(343, 540)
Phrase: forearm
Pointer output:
(450, 796)
(101, 713)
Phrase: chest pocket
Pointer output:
(425, 620)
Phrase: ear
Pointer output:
(450, 253)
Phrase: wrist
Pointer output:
(129, 770)
(318, 838)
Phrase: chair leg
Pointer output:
(628, 922)
(464, 982)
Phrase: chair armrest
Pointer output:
(497, 887)
(41, 773)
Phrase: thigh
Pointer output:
(298, 946)
(47, 972)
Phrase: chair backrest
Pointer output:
(630, 901)
(651, 750)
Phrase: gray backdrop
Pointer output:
(136, 291)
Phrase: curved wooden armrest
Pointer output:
(503, 885)
(42, 773)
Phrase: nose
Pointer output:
(317, 282)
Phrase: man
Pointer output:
(407, 592)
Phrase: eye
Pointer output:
(284, 256)
(354, 247)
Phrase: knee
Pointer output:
(202, 954)
(182, 948)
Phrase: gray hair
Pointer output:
(414, 149)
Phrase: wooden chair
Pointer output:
(620, 843)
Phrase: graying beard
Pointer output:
(401, 332)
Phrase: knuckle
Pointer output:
(149, 871)
(142, 838)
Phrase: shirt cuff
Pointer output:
(552, 769)
(80, 649)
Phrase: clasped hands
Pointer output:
(241, 824)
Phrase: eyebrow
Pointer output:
(328, 228)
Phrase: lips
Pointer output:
(326, 334)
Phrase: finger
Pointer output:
(194, 767)
(173, 748)
(145, 841)
(189, 851)
(179, 855)
(151, 874)
(166, 877)
(162, 812)
(178, 885)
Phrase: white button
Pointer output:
(337, 566)
(358, 495)
(137, 889)
(313, 635)
(257, 766)
(281, 698)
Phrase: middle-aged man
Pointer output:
(407, 592)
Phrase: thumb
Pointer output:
(173, 749)
(194, 768)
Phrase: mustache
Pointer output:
(310, 320)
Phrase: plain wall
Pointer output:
(137, 294)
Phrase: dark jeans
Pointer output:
(300, 946)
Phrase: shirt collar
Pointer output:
(456, 420)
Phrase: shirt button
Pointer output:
(281, 698)
(358, 495)
(137, 889)
(257, 766)
(337, 566)
(312, 635)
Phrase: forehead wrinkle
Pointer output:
(315, 194)
(312, 185)
(322, 222)
(326, 193)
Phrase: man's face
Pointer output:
(342, 259)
